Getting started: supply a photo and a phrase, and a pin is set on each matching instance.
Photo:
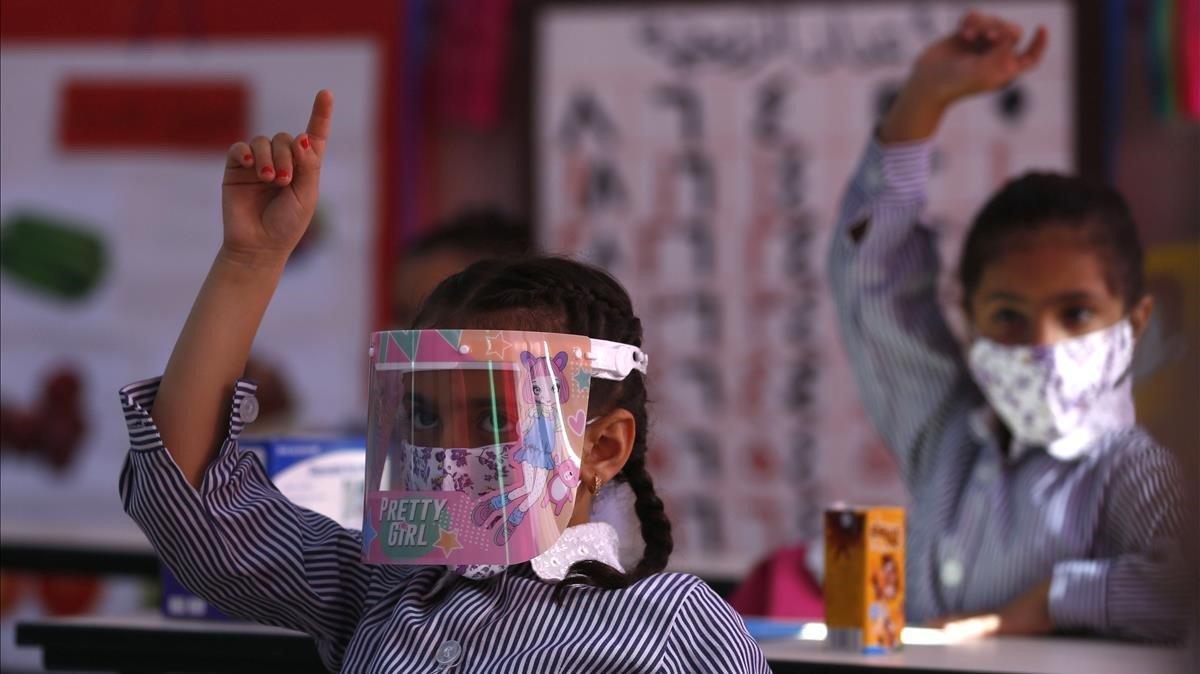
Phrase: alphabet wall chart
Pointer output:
(699, 154)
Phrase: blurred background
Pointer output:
(697, 150)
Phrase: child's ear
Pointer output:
(608, 442)
(1139, 316)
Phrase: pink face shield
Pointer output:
(475, 439)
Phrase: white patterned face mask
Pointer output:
(473, 470)
(1051, 396)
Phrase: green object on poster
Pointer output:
(52, 254)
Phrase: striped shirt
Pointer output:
(983, 529)
(240, 544)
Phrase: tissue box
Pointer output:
(323, 474)
(864, 578)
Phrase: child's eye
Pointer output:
(537, 390)
(1008, 318)
(495, 424)
(1078, 316)
(424, 420)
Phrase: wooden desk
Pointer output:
(154, 644)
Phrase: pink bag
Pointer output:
(781, 586)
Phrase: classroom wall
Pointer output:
(1156, 165)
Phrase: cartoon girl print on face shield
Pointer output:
(545, 389)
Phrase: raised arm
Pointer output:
(268, 197)
(208, 508)
(883, 264)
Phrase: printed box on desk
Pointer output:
(864, 578)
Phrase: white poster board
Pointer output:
(159, 215)
(699, 153)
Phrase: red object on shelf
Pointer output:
(11, 587)
(68, 595)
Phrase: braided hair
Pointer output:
(552, 294)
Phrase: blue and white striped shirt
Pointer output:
(983, 529)
(243, 546)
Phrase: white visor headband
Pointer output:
(614, 360)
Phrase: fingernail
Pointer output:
(267, 169)
(304, 142)
(247, 157)
(283, 175)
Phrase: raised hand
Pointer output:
(270, 188)
(267, 200)
(981, 55)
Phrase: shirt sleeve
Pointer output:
(238, 542)
(1140, 586)
(708, 636)
(883, 270)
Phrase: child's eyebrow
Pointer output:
(1060, 298)
(1003, 295)
(1074, 296)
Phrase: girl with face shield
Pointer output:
(516, 403)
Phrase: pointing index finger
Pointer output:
(321, 119)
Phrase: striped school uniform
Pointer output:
(987, 524)
(240, 544)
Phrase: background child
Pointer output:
(1037, 503)
(448, 248)
(227, 533)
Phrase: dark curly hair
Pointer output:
(552, 294)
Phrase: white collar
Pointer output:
(592, 540)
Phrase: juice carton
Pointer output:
(864, 578)
(323, 474)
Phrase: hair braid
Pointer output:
(656, 527)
